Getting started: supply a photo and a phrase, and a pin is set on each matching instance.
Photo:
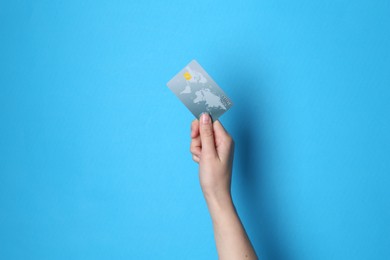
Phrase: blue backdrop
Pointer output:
(94, 148)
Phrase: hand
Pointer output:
(213, 148)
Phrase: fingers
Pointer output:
(194, 128)
(207, 136)
(209, 139)
(224, 141)
(195, 158)
(196, 146)
(219, 129)
(221, 134)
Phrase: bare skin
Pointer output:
(213, 148)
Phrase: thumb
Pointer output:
(207, 135)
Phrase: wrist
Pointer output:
(216, 195)
(219, 201)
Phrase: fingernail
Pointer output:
(206, 119)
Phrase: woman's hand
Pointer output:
(212, 147)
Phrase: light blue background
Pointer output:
(94, 148)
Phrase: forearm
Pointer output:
(213, 148)
(230, 236)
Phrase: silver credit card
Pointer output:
(199, 92)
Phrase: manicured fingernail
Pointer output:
(206, 119)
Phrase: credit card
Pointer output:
(199, 92)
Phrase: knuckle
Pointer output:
(196, 159)
(207, 131)
(194, 149)
(193, 124)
